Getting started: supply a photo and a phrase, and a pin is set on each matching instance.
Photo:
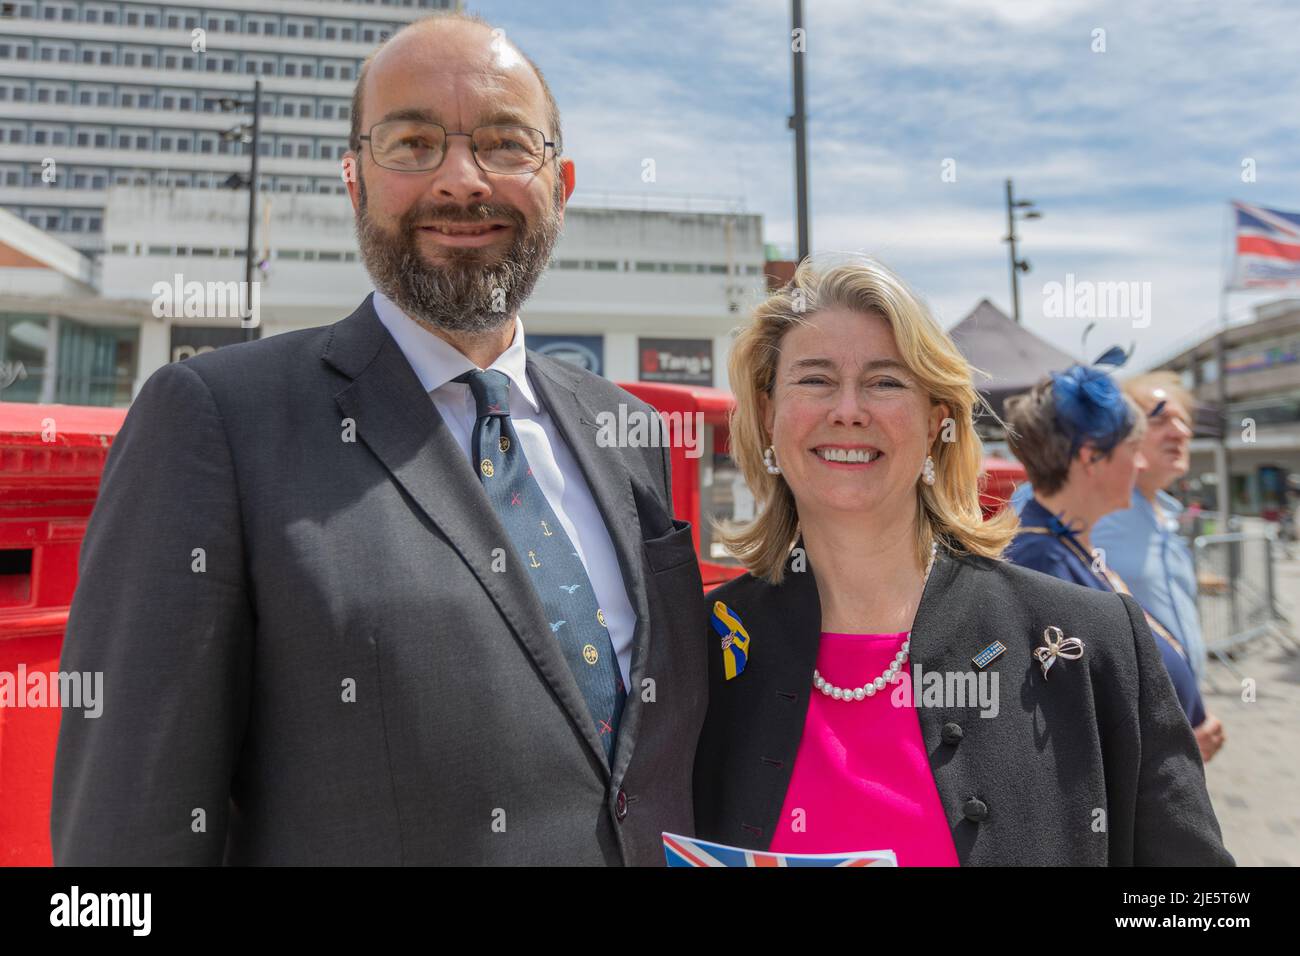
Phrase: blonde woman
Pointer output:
(881, 679)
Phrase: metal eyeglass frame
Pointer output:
(447, 134)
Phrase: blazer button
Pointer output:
(975, 810)
(620, 806)
(952, 734)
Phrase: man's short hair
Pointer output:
(552, 109)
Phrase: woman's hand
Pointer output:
(1210, 736)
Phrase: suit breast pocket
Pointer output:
(671, 550)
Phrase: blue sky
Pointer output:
(1131, 154)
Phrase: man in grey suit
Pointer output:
(326, 578)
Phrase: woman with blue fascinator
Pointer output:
(1079, 438)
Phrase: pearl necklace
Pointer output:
(890, 673)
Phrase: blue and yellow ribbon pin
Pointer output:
(735, 639)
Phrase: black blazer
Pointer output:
(1105, 732)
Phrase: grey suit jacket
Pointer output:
(308, 657)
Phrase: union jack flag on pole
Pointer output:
(687, 851)
(1267, 249)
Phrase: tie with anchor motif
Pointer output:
(548, 556)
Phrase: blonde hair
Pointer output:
(947, 511)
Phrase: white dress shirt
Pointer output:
(436, 362)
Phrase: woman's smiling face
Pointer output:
(851, 426)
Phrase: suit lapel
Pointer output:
(785, 635)
(611, 487)
(397, 420)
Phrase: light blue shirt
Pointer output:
(1155, 561)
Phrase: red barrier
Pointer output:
(51, 458)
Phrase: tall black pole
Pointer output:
(1011, 238)
(799, 123)
(250, 259)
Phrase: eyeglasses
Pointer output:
(412, 146)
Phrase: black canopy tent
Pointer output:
(1014, 358)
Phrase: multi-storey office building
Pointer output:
(96, 93)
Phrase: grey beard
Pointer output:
(467, 293)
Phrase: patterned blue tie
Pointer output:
(556, 571)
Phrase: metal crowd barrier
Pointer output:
(1236, 594)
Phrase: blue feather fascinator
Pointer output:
(1090, 408)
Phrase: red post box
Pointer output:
(706, 483)
(51, 458)
(998, 479)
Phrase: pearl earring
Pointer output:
(769, 459)
(927, 473)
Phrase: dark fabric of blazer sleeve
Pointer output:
(1174, 823)
(148, 781)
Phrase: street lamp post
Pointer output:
(799, 123)
(1017, 265)
(247, 133)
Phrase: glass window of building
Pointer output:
(24, 344)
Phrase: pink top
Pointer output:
(862, 777)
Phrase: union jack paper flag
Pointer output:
(687, 851)
(1267, 247)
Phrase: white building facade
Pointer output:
(96, 93)
(632, 294)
